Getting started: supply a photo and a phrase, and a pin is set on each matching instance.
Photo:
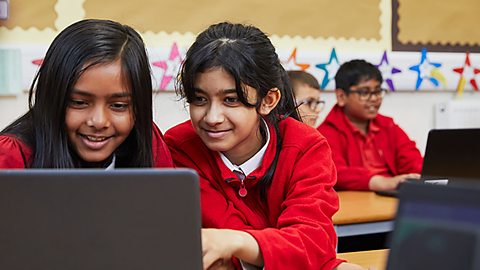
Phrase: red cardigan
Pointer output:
(293, 227)
(14, 154)
(399, 152)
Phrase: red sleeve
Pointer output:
(221, 212)
(408, 157)
(349, 177)
(13, 153)
(161, 155)
(303, 236)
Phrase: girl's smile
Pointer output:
(217, 134)
(95, 142)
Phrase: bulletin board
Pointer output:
(442, 26)
(31, 14)
(314, 18)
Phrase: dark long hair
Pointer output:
(78, 47)
(246, 53)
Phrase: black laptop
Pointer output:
(97, 219)
(436, 227)
(452, 156)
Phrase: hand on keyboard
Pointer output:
(380, 183)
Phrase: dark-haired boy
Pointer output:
(370, 151)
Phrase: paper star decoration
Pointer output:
(292, 63)
(387, 71)
(37, 62)
(330, 68)
(467, 73)
(427, 70)
(170, 66)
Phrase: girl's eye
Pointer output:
(199, 100)
(231, 100)
(120, 106)
(78, 103)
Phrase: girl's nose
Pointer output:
(98, 118)
(214, 115)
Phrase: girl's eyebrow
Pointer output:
(226, 91)
(87, 94)
(121, 95)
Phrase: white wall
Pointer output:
(168, 110)
(413, 111)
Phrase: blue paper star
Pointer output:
(330, 68)
(424, 70)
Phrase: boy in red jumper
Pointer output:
(370, 151)
(266, 179)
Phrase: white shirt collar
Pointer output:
(254, 162)
(112, 164)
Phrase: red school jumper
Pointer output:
(14, 154)
(394, 147)
(293, 227)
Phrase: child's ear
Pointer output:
(270, 101)
(341, 97)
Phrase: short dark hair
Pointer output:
(303, 77)
(356, 71)
(78, 47)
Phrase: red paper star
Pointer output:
(468, 73)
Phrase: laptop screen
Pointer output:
(452, 153)
(437, 227)
(97, 219)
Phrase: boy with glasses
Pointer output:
(370, 151)
(307, 94)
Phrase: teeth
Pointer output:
(96, 139)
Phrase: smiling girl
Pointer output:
(266, 178)
(90, 105)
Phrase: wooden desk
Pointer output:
(364, 212)
(371, 259)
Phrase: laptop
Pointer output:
(452, 156)
(437, 227)
(97, 219)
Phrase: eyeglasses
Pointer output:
(313, 104)
(366, 94)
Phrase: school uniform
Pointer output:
(390, 147)
(15, 154)
(293, 226)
